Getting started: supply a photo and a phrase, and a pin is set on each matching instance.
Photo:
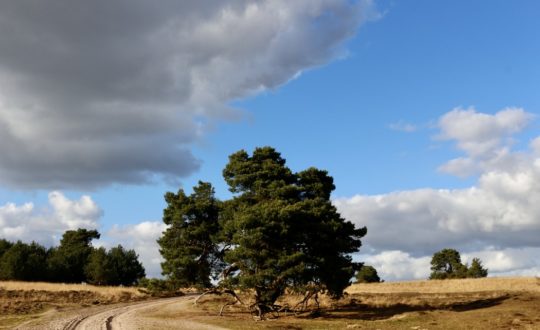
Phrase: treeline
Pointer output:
(75, 260)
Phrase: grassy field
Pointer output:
(509, 284)
(489, 303)
(20, 301)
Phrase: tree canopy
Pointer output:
(367, 274)
(446, 264)
(118, 266)
(75, 260)
(67, 262)
(279, 231)
(476, 270)
(189, 246)
(25, 262)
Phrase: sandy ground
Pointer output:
(126, 316)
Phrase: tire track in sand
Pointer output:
(127, 317)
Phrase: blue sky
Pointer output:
(358, 89)
(418, 61)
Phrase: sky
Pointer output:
(424, 112)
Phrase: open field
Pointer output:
(490, 303)
(21, 301)
(510, 284)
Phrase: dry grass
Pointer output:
(489, 303)
(20, 298)
(507, 284)
(107, 291)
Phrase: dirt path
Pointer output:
(130, 316)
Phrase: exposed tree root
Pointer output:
(219, 293)
(303, 304)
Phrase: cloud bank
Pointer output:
(498, 218)
(47, 224)
(100, 92)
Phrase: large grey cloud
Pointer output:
(498, 218)
(98, 92)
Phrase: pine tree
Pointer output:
(367, 274)
(99, 270)
(190, 245)
(67, 262)
(279, 231)
(476, 270)
(24, 262)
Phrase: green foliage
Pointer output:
(476, 270)
(116, 267)
(446, 264)
(67, 262)
(4, 246)
(280, 231)
(98, 270)
(75, 260)
(158, 287)
(125, 266)
(284, 229)
(367, 274)
(24, 262)
(189, 245)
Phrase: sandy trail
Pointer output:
(131, 316)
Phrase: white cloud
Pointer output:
(117, 91)
(485, 139)
(502, 211)
(26, 223)
(508, 261)
(402, 126)
(142, 238)
(397, 265)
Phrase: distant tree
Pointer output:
(99, 270)
(75, 260)
(367, 274)
(125, 266)
(476, 270)
(67, 262)
(24, 262)
(4, 246)
(115, 267)
(447, 264)
(190, 245)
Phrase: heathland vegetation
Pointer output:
(277, 247)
